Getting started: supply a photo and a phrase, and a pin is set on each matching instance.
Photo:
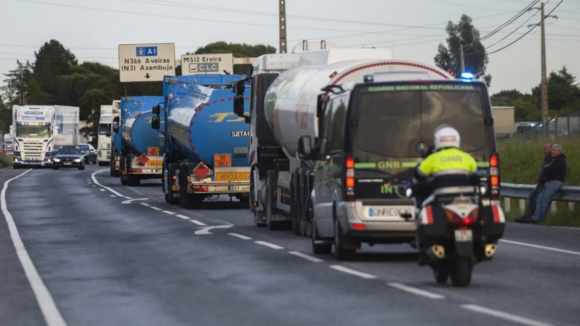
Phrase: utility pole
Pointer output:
(544, 83)
(462, 58)
(545, 115)
(283, 41)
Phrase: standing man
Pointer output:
(531, 206)
(555, 177)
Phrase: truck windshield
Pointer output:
(103, 128)
(394, 120)
(33, 131)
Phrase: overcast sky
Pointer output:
(411, 28)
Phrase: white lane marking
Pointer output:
(130, 200)
(113, 196)
(155, 208)
(205, 230)
(352, 272)
(198, 222)
(541, 247)
(270, 245)
(145, 204)
(243, 237)
(504, 315)
(102, 189)
(305, 256)
(49, 310)
(412, 290)
(183, 217)
(100, 185)
(168, 212)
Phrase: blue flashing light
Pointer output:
(467, 75)
(369, 78)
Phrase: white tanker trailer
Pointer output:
(332, 152)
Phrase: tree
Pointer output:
(449, 58)
(5, 117)
(52, 61)
(563, 92)
(239, 51)
(505, 98)
(90, 104)
(16, 83)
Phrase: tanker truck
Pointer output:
(206, 150)
(140, 155)
(336, 136)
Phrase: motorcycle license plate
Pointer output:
(463, 235)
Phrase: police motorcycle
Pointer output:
(458, 227)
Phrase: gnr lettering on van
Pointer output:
(455, 158)
(389, 165)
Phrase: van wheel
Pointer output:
(342, 253)
(317, 247)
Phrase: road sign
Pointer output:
(146, 62)
(201, 64)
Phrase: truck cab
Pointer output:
(34, 133)
(104, 135)
(371, 138)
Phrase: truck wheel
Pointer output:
(317, 247)
(295, 208)
(340, 251)
(461, 268)
(259, 218)
(272, 225)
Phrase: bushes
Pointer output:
(5, 160)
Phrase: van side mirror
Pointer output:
(156, 110)
(155, 123)
(239, 105)
(116, 124)
(305, 147)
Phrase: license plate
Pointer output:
(390, 211)
(155, 163)
(246, 187)
(68, 164)
(463, 235)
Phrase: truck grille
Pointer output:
(32, 151)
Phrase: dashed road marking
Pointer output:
(168, 212)
(412, 290)
(243, 237)
(270, 245)
(102, 189)
(182, 216)
(198, 223)
(155, 208)
(523, 244)
(305, 256)
(113, 196)
(352, 272)
(105, 187)
(145, 204)
(47, 306)
(129, 200)
(205, 230)
(504, 315)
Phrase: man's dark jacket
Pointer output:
(557, 169)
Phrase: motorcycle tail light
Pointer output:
(469, 219)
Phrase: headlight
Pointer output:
(57, 160)
(77, 160)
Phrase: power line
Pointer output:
(527, 20)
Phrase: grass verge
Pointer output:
(5, 160)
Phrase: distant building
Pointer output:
(503, 120)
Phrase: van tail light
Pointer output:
(350, 179)
(494, 176)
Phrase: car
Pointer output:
(69, 157)
(89, 152)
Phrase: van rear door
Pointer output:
(392, 123)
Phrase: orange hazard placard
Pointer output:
(153, 151)
(222, 160)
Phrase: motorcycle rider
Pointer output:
(447, 166)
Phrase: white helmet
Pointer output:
(446, 137)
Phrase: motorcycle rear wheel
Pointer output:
(461, 268)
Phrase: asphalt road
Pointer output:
(104, 254)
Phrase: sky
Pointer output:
(412, 29)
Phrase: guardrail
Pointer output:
(521, 192)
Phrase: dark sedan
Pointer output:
(89, 152)
(69, 157)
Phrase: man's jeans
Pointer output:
(532, 197)
(545, 198)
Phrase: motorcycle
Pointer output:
(457, 228)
